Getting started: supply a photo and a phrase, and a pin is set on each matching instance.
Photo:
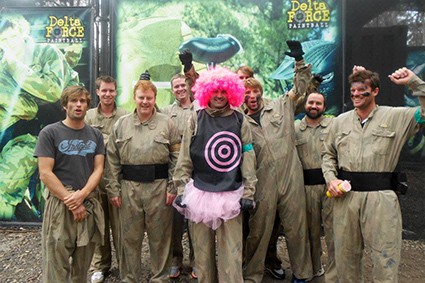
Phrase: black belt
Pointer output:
(144, 173)
(313, 177)
(372, 181)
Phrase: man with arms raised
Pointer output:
(280, 185)
(363, 146)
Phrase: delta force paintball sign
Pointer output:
(64, 29)
(308, 14)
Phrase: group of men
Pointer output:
(295, 165)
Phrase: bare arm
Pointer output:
(75, 199)
(53, 184)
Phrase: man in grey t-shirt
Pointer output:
(70, 160)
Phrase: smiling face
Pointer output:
(219, 99)
(364, 87)
(315, 106)
(144, 95)
(145, 102)
(362, 95)
(106, 93)
(179, 90)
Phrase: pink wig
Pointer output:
(219, 79)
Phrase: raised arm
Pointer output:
(189, 71)
(404, 76)
(302, 72)
(401, 76)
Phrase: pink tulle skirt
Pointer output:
(210, 208)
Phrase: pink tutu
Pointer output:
(210, 208)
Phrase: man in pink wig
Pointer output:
(215, 175)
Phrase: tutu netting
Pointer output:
(210, 208)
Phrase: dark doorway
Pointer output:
(382, 50)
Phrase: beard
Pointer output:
(314, 116)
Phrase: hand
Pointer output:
(333, 188)
(246, 204)
(296, 50)
(186, 58)
(116, 201)
(74, 199)
(318, 78)
(357, 69)
(80, 213)
(178, 201)
(169, 199)
(401, 76)
(145, 76)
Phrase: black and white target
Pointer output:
(223, 151)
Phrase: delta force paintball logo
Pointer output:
(65, 30)
(308, 14)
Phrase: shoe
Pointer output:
(277, 273)
(319, 273)
(174, 272)
(193, 273)
(97, 277)
(296, 280)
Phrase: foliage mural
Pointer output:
(147, 35)
(261, 27)
(42, 51)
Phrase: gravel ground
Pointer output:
(20, 247)
(20, 259)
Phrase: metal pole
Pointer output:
(344, 52)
